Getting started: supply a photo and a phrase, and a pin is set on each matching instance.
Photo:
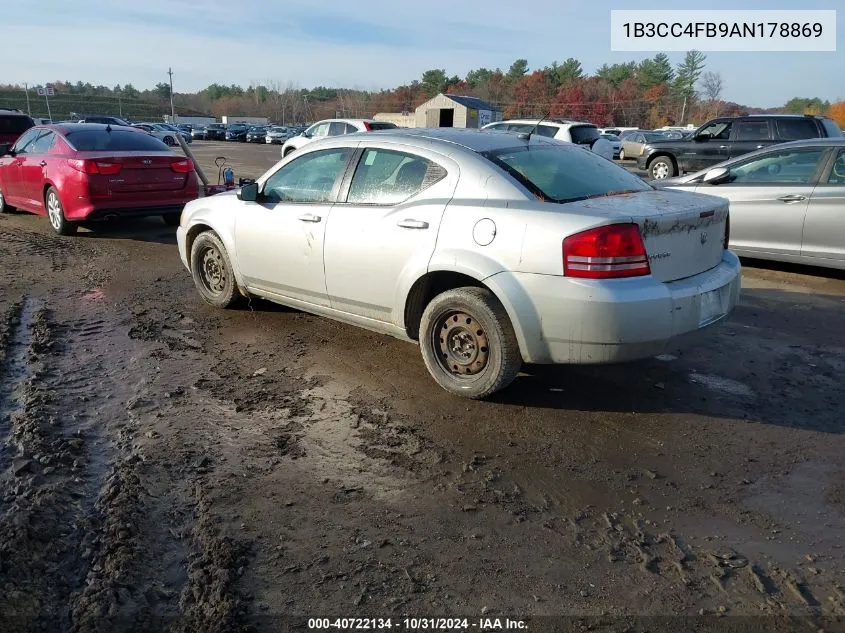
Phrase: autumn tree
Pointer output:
(836, 111)
(532, 94)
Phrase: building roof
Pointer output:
(472, 102)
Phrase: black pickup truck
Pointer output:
(726, 137)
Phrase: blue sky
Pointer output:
(363, 44)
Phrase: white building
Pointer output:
(456, 111)
(251, 120)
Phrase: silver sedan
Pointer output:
(485, 248)
(787, 201)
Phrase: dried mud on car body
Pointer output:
(168, 467)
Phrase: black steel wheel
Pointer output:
(212, 271)
(468, 343)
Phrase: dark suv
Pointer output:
(726, 137)
(13, 123)
(215, 132)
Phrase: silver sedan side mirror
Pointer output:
(716, 175)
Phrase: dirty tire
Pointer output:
(479, 354)
(56, 213)
(169, 141)
(172, 219)
(662, 167)
(4, 207)
(621, 154)
(212, 271)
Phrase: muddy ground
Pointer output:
(165, 466)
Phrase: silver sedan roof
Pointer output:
(475, 140)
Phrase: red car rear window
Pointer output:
(114, 141)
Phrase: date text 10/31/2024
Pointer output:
(416, 624)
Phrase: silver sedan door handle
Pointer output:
(310, 217)
(792, 198)
(412, 224)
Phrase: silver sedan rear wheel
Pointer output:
(468, 343)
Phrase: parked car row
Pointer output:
(481, 286)
(167, 133)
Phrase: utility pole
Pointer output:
(172, 110)
(26, 89)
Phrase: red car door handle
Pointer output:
(43, 163)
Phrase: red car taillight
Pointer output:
(184, 166)
(95, 167)
(606, 252)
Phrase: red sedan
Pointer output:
(84, 172)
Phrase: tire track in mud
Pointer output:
(159, 561)
(47, 247)
(92, 538)
(38, 560)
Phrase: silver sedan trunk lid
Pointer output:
(683, 233)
